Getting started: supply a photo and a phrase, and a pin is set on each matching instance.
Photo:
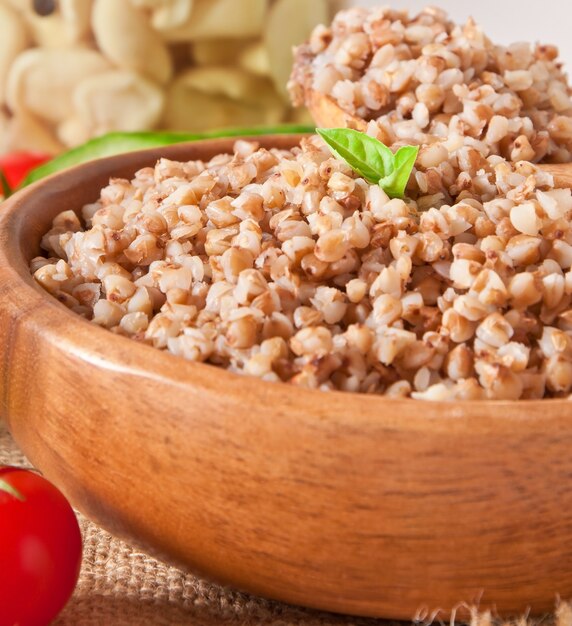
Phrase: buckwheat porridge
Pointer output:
(424, 78)
(288, 266)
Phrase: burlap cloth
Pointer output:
(121, 586)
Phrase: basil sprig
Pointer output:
(372, 159)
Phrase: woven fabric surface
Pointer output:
(121, 586)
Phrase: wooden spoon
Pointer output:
(327, 113)
(562, 173)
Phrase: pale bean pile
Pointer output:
(71, 70)
(285, 265)
(423, 78)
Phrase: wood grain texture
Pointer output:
(344, 502)
(328, 114)
(562, 173)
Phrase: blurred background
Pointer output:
(74, 69)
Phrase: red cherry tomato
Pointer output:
(40, 549)
(15, 166)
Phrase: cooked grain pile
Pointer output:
(287, 266)
(423, 79)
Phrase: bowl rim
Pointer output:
(83, 338)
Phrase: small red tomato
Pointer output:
(16, 165)
(40, 549)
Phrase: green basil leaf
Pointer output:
(394, 185)
(370, 158)
(406, 157)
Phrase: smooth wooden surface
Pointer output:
(328, 114)
(338, 501)
(562, 173)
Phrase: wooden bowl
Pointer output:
(345, 502)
